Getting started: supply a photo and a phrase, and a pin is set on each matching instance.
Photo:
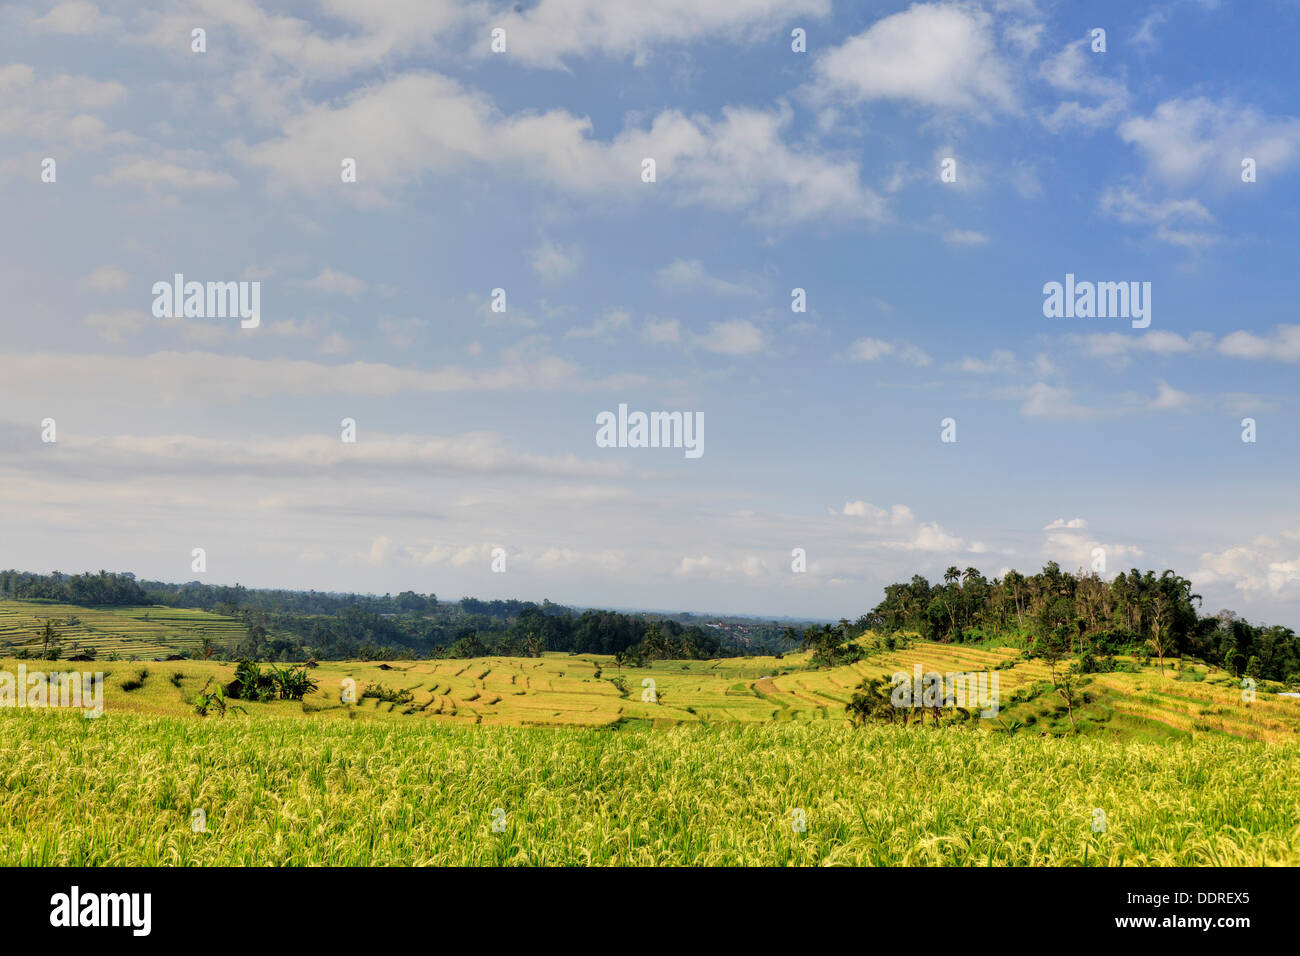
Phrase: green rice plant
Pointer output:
(286, 789)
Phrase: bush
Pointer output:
(380, 692)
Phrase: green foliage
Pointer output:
(381, 693)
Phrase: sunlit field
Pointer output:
(123, 632)
(279, 790)
(738, 761)
(562, 690)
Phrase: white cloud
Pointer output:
(333, 282)
(1265, 566)
(377, 453)
(1169, 398)
(939, 55)
(107, 279)
(158, 173)
(417, 123)
(1073, 524)
(604, 327)
(75, 17)
(552, 262)
(1050, 401)
(120, 325)
(402, 333)
(1145, 36)
(554, 30)
(733, 337)
(897, 529)
(206, 376)
(1119, 347)
(1000, 361)
(1283, 344)
(1067, 543)
(381, 550)
(1074, 71)
(870, 350)
(689, 275)
(1126, 205)
(334, 344)
(58, 109)
(663, 331)
(378, 32)
(965, 237)
(1198, 141)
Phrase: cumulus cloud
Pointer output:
(75, 17)
(1200, 141)
(57, 109)
(1266, 565)
(1069, 544)
(733, 337)
(1283, 344)
(418, 122)
(1075, 71)
(555, 30)
(897, 528)
(938, 55)
(871, 350)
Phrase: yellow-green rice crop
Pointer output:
(288, 790)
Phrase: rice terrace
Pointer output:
(225, 739)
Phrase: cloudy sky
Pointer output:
(775, 170)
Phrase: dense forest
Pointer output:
(1082, 613)
(1085, 614)
(296, 625)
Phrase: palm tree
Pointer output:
(48, 634)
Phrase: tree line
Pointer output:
(283, 625)
(1086, 615)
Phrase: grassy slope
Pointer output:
(581, 691)
(143, 632)
(737, 747)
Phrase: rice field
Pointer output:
(140, 632)
(280, 790)
(569, 759)
(562, 690)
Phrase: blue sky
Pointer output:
(775, 170)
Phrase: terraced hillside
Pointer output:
(142, 632)
(561, 690)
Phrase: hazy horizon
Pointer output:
(379, 173)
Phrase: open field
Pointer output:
(718, 771)
(592, 691)
(142, 632)
(274, 791)
(561, 690)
